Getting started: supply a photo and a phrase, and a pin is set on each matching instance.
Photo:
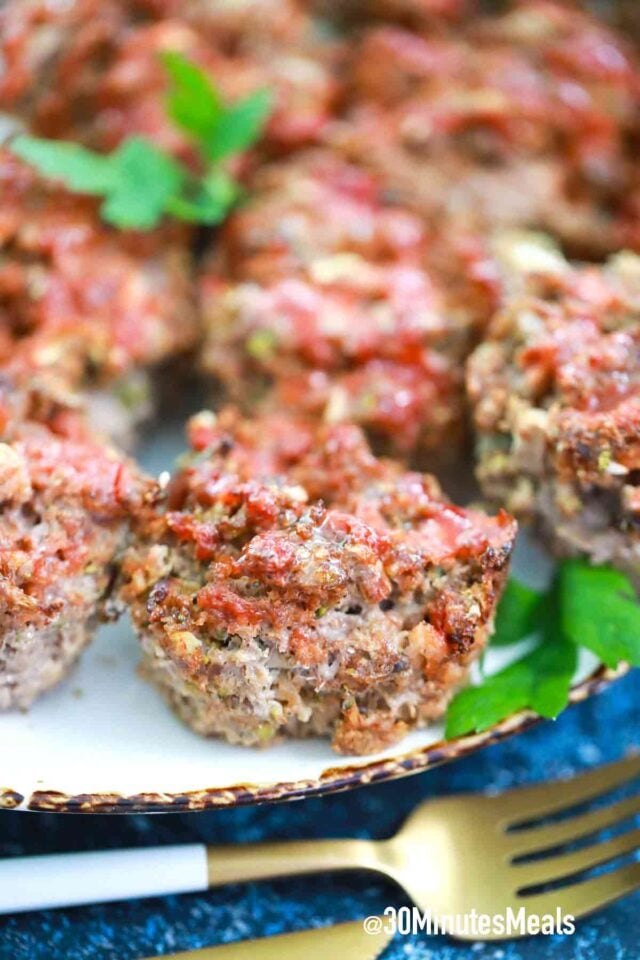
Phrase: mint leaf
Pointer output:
(600, 611)
(193, 103)
(239, 126)
(517, 614)
(79, 169)
(146, 179)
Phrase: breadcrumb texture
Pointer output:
(90, 70)
(555, 390)
(324, 296)
(526, 118)
(290, 583)
(84, 309)
(63, 519)
(416, 13)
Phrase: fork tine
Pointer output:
(547, 798)
(568, 864)
(537, 839)
(586, 896)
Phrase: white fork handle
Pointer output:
(69, 879)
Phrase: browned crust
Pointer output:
(10, 799)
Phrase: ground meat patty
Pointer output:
(92, 72)
(555, 390)
(527, 119)
(243, 24)
(82, 307)
(130, 96)
(263, 611)
(323, 296)
(63, 521)
(416, 13)
(52, 55)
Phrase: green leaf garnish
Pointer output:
(199, 109)
(585, 606)
(79, 169)
(540, 681)
(552, 665)
(137, 179)
(239, 126)
(209, 199)
(193, 102)
(600, 611)
(139, 182)
(516, 617)
(146, 180)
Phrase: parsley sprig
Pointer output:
(595, 608)
(139, 182)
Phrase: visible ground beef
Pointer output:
(527, 118)
(238, 24)
(82, 307)
(263, 611)
(64, 506)
(555, 390)
(287, 581)
(416, 13)
(321, 296)
(130, 95)
(91, 72)
(52, 56)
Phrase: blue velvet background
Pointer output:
(599, 730)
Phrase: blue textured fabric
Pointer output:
(599, 730)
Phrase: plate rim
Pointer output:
(333, 779)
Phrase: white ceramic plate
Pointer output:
(104, 741)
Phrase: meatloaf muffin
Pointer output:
(91, 71)
(52, 56)
(324, 297)
(265, 611)
(239, 24)
(527, 119)
(555, 390)
(86, 312)
(416, 13)
(63, 520)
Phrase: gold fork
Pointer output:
(463, 853)
(454, 855)
(348, 941)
